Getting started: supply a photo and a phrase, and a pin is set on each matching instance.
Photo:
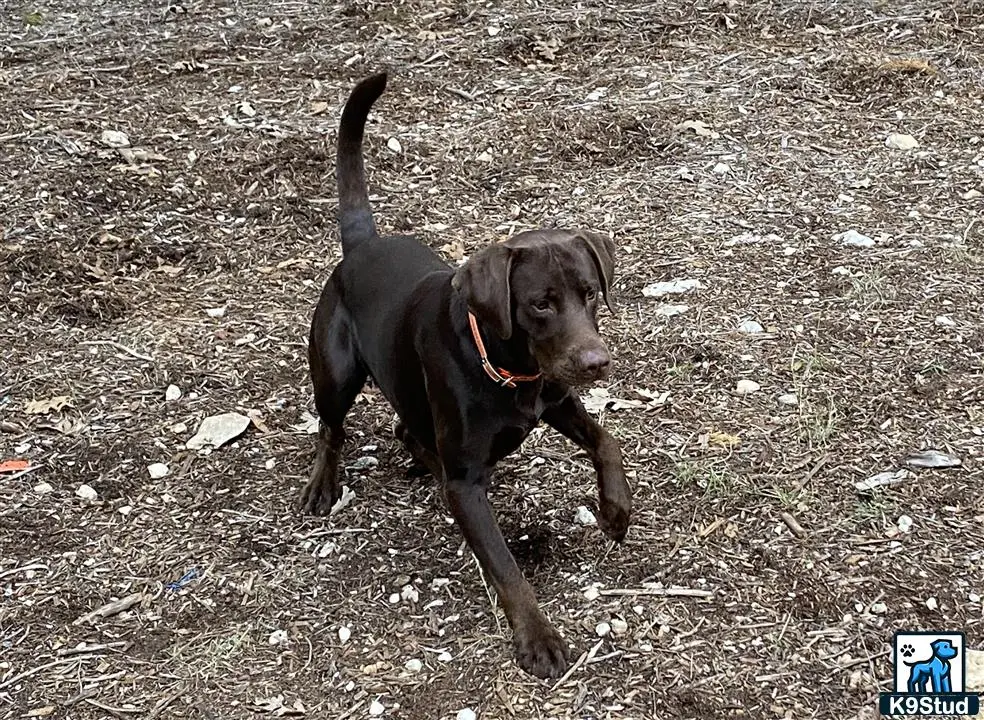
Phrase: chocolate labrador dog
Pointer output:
(470, 359)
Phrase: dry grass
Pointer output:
(510, 115)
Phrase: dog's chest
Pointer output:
(506, 440)
(512, 427)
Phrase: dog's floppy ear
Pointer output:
(484, 282)
(602, 251)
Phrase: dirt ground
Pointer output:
(727, 142)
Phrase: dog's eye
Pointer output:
(590, 295)
(541, 305)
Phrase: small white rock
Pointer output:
(974, 597)
(745, 387)
(277, 637)
(852, 238)
(158, 470)
(414, 665)
(86, 492)
(124, 510)
(43, 488)
(344, 634)
(788, 399)
(466, 714)
(216, 312)
(721, 169)
(971, 195)
(444, 656)
(115, 139)
(878, 608)
(945, 321)
(172, 393)
(904, 523)
(603, 629)
(669, 310)
(394, 145)
(585, 516)
(409, 592)
(901, 141)
(179, 429)
(376, 708)
(619, 627)
(932, 603)
(751, 327)
(270, 464)
(672, 287)
(638, 609)
(394, 598)
(591, 594)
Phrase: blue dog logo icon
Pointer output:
(932, 674)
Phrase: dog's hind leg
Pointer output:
(338, 374)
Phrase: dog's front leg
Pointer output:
(614, 496)
(540, 650)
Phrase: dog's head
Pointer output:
(943, 649)
(545, 285)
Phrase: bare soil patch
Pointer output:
(509, 115)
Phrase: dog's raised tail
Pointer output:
(355, 221)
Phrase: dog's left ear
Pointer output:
(602, 250)
(484, 282)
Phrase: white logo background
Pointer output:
(922, 651)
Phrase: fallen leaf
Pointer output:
(598, 399)
(882, 479)
(40, 407)
(257, 419)
(318, 107)
(14, 465)
(933, 459)
(348, 495)
(722, 439)
(308, 424)
(217, 430)
(135, 155)
(699, 127)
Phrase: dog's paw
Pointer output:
(613, 518)
(318, 498)
(541, 651)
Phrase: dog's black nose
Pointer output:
(594, 360)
